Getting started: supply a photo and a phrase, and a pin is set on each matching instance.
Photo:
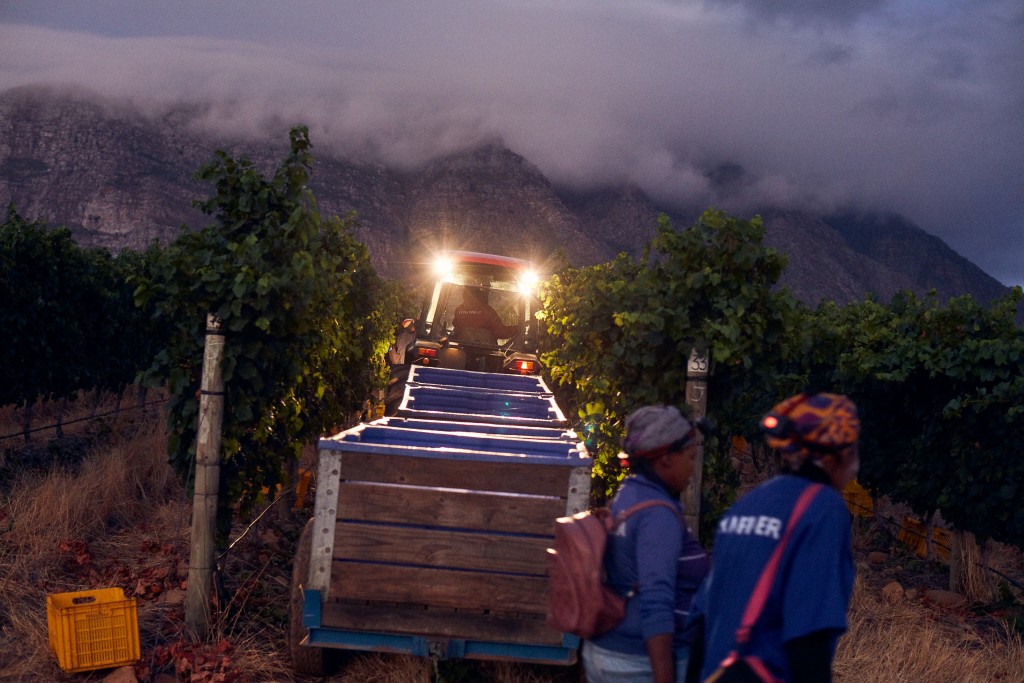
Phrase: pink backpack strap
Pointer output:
(643, 505)
(764, 584)
(637, 507)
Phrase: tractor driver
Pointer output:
(476, 312)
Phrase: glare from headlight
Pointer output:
(443, 267)
(528, 281)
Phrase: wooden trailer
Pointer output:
(430, 528)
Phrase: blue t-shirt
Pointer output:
(812, 586)
(653, 553)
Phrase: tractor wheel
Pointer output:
(305, 659)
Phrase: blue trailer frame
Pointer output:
(424, 646)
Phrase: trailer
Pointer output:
(431, 525)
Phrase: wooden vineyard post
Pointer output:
(697, 399)
(968, 568)
(207, 481)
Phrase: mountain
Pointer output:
(119, 178)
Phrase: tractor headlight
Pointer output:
(528, 282)
(443, 267)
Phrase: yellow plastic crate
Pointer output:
(301, 488)
(95, 629)
(858, 500)
(912, 532)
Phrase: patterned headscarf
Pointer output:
(809, 424)
(652, 430)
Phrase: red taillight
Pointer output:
(524, 365)
(427, 353)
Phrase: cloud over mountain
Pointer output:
(899, 106)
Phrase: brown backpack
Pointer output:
(579, 602)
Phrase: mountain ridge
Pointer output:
(119, 178)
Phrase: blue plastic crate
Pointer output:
(468, 379)
(480, 442)
(556, 433)
(434, 402)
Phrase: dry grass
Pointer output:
(906, 641)
(123, 520)
(386, 669)
(80, 525)
(376, 668)
(112, 489)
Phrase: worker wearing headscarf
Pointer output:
(651, 557)
(804, 614)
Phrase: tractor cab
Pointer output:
(478, 314)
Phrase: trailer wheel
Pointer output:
(305, 659)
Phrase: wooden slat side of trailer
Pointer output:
(449, 508)
(444, 547)
(505, 477)
(441, 548)
(471, 591)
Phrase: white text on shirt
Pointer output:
(745, 525)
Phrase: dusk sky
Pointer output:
(914, 106)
